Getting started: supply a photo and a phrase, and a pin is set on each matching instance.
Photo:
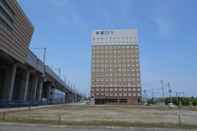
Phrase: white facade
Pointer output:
(115, 37)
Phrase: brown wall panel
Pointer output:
(14, 42)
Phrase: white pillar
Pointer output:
(26, 85)
(35, 86)
(40, 90)
(12, 75)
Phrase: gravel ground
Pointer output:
(109, 114)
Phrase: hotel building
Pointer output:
(115, 74)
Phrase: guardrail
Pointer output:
(34, 61)
(37, 64)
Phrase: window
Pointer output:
(4, 24)
(5, 4)
(6, 15)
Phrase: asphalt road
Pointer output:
(21, 127)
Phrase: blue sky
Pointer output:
(167, 31)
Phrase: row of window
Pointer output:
(114, 56)
(114, 73)
(118, 94)
(124, 63)
(100, 43)
(102, 51)
(117, 89)
(114, 76)
(115, 70)
(117, 53)
(102, 47)
(6, 5)
(118, 68)
(4, 24)
(6, 15)
(114, 49)
(115, 84)
(116, 64)
(116, 79)
(111, 73)
(121, 61)
(114, 38)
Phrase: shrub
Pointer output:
(194, 102)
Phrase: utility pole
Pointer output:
(170, 92)
(153, 93)
(44, 60)
(65, 79)
(145, 96)
(178, 94)
(60, 72)
(162, 88)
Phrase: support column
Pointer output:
(49, 92)
(2, 83)
(26, 85)
(35, 86)
(40, 90)
(11, 81)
